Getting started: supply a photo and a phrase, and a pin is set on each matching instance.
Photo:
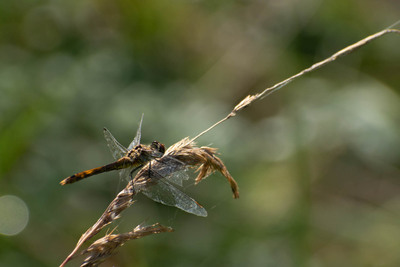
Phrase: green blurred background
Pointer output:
(317, 162)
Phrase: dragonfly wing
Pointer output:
(178, 177)
(173, 170)
(125, 174)
(167, 194)
(117, 150)
(136, 140)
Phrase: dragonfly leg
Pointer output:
(132, 171)
(149, 169)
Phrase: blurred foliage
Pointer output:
(317, 162)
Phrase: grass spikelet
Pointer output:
(183, 155)
(104, 247)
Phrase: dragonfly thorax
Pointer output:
(144, 153)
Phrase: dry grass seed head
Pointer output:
(104, 247)
(183, 155)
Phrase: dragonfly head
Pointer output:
(158, 148)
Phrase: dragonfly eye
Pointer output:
(158, 146)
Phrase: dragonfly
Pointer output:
(136, 156)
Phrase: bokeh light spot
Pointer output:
(14, 215)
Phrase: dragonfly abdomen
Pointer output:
(122, 163)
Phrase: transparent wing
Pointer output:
(136, 140)
(172, 169)
(178, 177)
(125, 174)
(117, 150)
(167, 194)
